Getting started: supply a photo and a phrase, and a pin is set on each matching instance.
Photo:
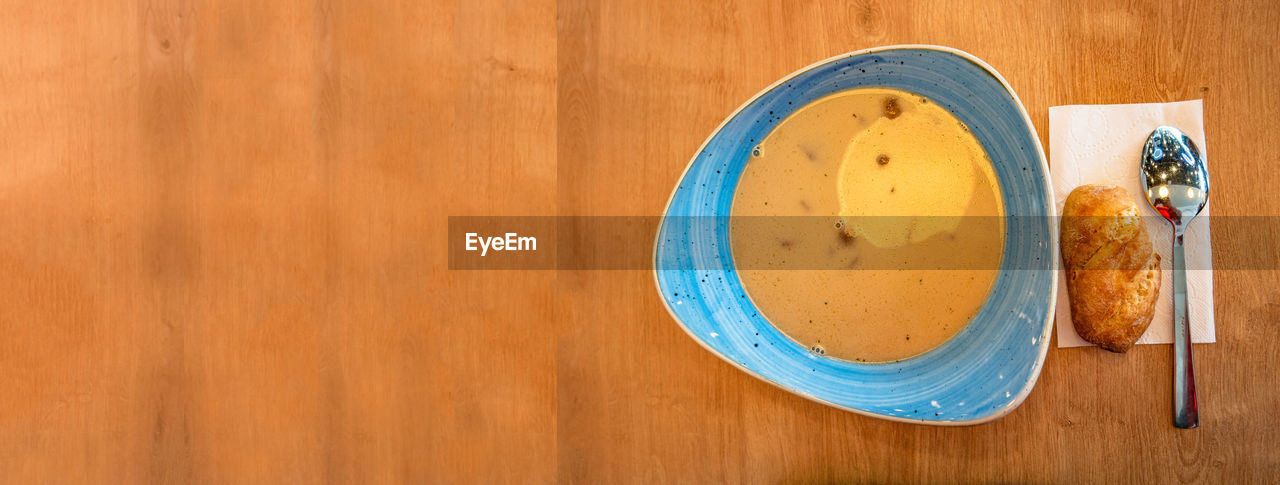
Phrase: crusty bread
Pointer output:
(1113, 274)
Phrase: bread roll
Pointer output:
(1113, 274)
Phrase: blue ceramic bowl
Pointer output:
(983, 372)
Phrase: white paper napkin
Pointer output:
(1101, 144)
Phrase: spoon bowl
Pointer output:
(1174, 177)
(1176, 183)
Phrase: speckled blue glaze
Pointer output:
(980, 374)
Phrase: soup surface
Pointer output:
(868, 225)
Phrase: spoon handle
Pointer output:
(1186, 412)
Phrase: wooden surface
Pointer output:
(222, 251)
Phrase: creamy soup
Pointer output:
(867, 226)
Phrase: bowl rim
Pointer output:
(1047, 328)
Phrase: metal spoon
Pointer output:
(1176, 183)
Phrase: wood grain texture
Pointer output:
(223, 254)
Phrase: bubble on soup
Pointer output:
(891, 108)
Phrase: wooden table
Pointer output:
(222, 251)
